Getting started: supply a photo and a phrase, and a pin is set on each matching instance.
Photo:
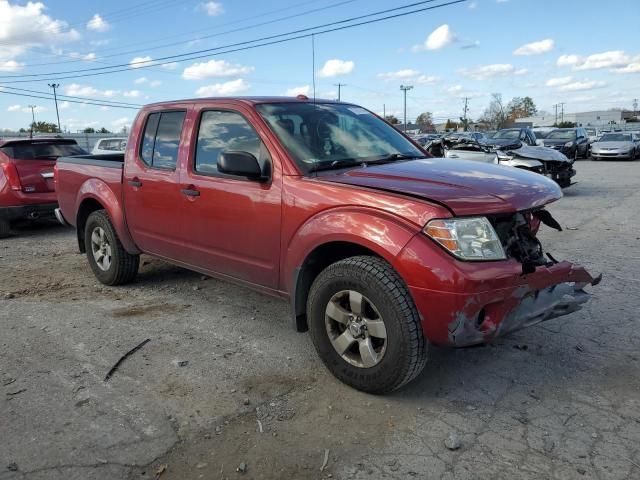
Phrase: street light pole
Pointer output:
(33, 119)
(55, 98)
(339, 85)
(404, 88)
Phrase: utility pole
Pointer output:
(466, 122)
(555, 123)
(405, 88)
(339, 85)
(562, 112)
(384, 111)
(635, 107)
(33, 119)
(55, 98)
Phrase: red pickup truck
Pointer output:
(380, 249)
(26, 177)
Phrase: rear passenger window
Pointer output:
(222, 131)
(162, 139)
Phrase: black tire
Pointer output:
(5, 228)
(123, 266)
(405, 353)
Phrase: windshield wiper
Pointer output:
(336, 164)
(392, 157)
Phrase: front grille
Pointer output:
(518, 241)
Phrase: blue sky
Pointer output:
(583, 53)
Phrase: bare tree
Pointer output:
(494, 114)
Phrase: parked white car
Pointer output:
(106, 146)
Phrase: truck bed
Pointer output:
(81, 174)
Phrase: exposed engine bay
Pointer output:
(542, 160)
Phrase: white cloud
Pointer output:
(155, 83)
(558, 81)
(88, 57)
(14, 108)
(138, 62)
(10, 66)
(131, 93)
(63, 105)
(121, 122)
(20, 108)
(582, 85)
(425, 79)
(439, 38)
(484, 72)
(459, 91)
(170, 65)
(535, 48)
(399, 75)
(521, 71)
(76, 90)
(295, 91)
(227, 88)
(212, 8)
(611, 59)
(141, 80)
(214, 69)
(24, 26)
(98, 24)
(632, 67)
(335, 67)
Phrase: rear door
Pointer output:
(151, 184)
(34, 161)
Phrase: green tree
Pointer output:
(450, 125)
(44, 127)
(520, 107)
(89, 130)
(425, 122)
(103, 130)
(565, 124)
(392, 119)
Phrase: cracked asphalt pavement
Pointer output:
(225, 389)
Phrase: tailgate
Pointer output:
(36, 176)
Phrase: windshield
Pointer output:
(540, 134)
(509, 134)
(39, 149)
(615, 137)
(327, 135)
(562, 135)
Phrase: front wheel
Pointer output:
(365, 326)
(110, 262)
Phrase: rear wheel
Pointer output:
(365, 326)
(5, 228)
(110, 262)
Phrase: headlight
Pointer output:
(467, 238)
(568, 144)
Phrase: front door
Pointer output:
(231, 224)
(151, 185)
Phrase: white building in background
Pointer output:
(598, 118)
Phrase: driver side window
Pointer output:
(222, 131)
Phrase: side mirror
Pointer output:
(240, 163)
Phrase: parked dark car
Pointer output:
(507, 136)
(26, 177)
(573, 142)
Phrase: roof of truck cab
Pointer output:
(245, 100)
(14, 140)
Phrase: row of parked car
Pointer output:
(550, 152)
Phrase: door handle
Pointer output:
(190, 192)
(135, 182)
(453, 155)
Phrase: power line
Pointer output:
(70, 101)
(137, 105)
(172, 44)
(269, 40)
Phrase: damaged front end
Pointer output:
(544, 289)
(542, 160)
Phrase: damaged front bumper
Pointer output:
(558, 292)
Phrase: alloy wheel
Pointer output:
(101, 248)
(356, 329)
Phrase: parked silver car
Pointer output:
(617, 146)
(106, 146)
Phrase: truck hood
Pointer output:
(465, 187)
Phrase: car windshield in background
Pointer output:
(328, 135)
(42, 149)
(508, 134)
(615, 137)
(562, 135)
(540, 134)
(591, 131)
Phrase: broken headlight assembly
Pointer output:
(472, 238)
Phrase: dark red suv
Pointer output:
(26, 177)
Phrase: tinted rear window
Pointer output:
(42, 150)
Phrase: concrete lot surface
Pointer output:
(225, 385)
